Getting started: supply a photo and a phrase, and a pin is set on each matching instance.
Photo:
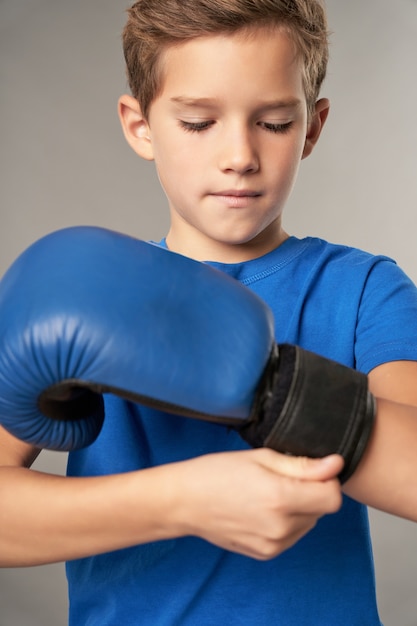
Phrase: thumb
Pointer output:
(305, 468)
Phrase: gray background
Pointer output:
(64, 162)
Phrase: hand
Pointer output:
(256, 502)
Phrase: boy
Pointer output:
(187, 525)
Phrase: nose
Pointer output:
(238, 152)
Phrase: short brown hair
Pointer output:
(154, 25)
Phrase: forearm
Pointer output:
(255, 502)
(386, 477)
(46, 518)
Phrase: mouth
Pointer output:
(237, 193)
(236, 198)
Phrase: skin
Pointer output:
(255, 502)
(217, 130)
(237, 137)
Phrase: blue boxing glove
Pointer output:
(86, 311)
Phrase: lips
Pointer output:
(237, 193)
(236, 198)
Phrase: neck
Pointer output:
(201, 248)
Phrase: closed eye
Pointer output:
(198, 127)
(195, 127)
(276, 128)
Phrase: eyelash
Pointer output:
(277, 128)
(195, 127)
(198, 127)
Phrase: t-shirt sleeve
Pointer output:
(387, 317)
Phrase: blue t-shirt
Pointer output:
(345, 304)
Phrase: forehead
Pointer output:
(263, 61)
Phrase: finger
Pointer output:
(302, 467)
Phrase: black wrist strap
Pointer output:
(311, 406)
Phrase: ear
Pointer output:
(135, 127)
(316, 125)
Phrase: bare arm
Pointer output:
(47, 518)
(255, 502)
(386, 478)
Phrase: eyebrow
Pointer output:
(291, 103)
(209, 103)
(194, 102)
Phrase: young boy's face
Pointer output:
(227, 134)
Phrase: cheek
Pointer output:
(166, 162)
(288, 157)
(175, 175)
(172, 157)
